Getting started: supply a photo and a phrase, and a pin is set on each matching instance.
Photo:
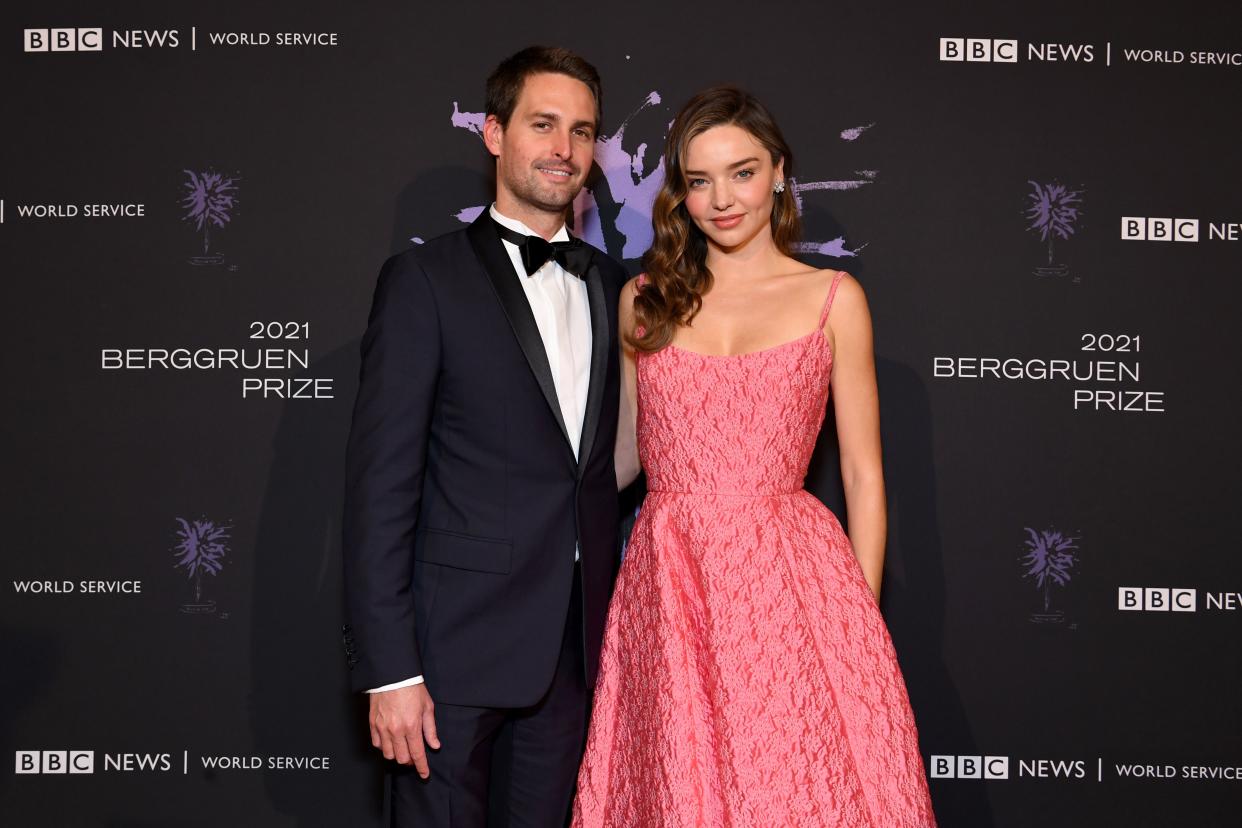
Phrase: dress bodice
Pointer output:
(742, 424)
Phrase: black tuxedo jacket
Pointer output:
(464, 500)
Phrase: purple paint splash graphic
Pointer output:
(836, 247)
(868, 177)
(853, 133)
(633, 182)
(471, 121)
(469, 214)
(1050, 556)
(632, 185)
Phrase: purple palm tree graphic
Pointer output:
(209, 199)
(201, 546)
(1053, 211)
(1050, 555)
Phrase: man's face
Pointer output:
(544, 153)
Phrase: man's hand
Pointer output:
(400, 720)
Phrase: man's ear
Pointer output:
(492, 133)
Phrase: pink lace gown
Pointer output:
(747, 676)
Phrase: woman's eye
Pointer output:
(696, 182)
(745, 173)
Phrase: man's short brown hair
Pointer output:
(505, 83)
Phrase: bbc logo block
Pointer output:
(1143, 228)
(55, 761)
(1157, 599)
(978, 50)
(62, 40)
(969, 767)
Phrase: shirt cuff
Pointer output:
(397, 686)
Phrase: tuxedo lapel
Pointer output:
(600, 326)
(499, 268)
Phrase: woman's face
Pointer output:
(729, 186)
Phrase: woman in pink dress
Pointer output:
(748, 678)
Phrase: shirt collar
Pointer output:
(514, 224)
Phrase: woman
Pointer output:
(747, 675)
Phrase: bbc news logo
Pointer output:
(80, 39)
(1157, 599)
(83, 761)
(978, 50)
(55, 761)
(1003, 50)
(1142, 228)
(63, 40)
(969, 767)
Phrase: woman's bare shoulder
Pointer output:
(849, 290)
(849, 304)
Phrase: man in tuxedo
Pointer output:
(481, 508)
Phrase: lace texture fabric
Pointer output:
(747, 676)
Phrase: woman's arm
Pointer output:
(626, 454)
(856, 403)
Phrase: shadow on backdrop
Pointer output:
(421, 210)
(300, 703)
(33, 658)
(913, 597)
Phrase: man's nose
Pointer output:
(562, 145)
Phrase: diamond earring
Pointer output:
(780, 187)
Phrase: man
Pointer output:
(481, 510)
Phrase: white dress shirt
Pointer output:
(562, 313)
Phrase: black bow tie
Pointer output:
(572, 255)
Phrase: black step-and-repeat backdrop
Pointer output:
(1042, 204)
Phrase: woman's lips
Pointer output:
(725, 222)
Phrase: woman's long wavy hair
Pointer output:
(676, 264)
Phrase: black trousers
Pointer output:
(504, 767)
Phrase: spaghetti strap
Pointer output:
(832, 292)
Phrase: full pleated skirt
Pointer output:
(748, 678)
